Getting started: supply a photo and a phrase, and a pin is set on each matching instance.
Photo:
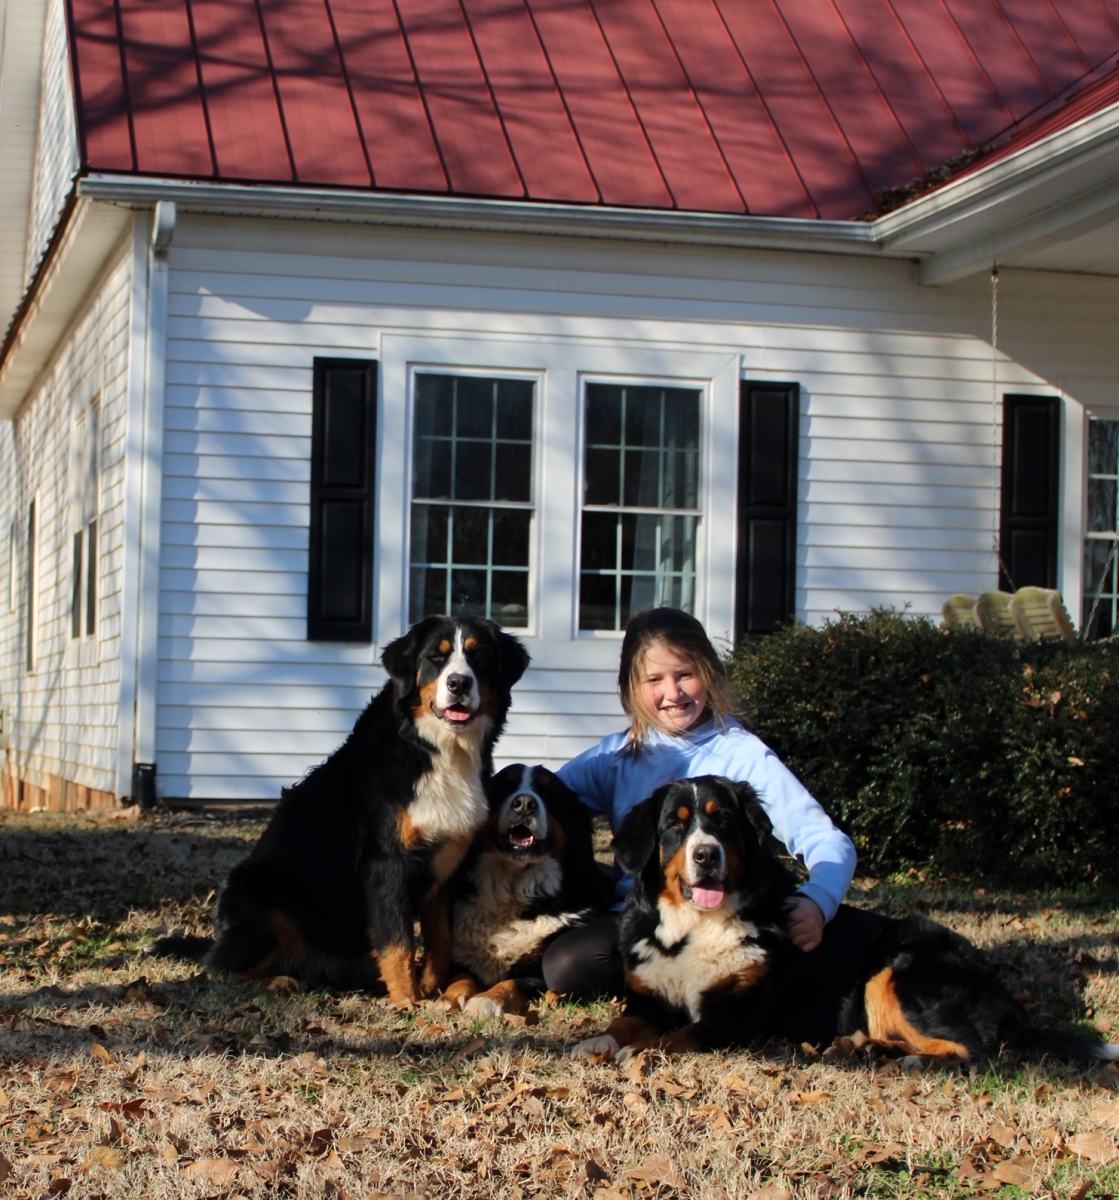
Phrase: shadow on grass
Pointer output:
(104, 872)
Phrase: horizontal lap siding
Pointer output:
(65, 713)
(56, 148)
(895, 455)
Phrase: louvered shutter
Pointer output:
(1031, 442)
(765, 572)
(343, 501)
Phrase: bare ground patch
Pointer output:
(126, 1077)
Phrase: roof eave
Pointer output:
(479, 214)
(1054, 189)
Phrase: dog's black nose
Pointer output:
(706, 857)
(459, 685)
(523, 805)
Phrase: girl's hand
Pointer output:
(806, 922)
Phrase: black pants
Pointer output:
(585, 962)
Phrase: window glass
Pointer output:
(641, 502)
(471, 498)
(1101, 547)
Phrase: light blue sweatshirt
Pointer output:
(610, 780)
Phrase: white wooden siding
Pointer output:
(65, 712)
(897, 476)
(56, 147)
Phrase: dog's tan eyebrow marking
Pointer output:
(712, 806)
(683, 812)
(444, 647)
(470, 643)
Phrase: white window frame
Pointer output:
(1109, 539)
(704, 388)
(536, 378)
(559, 355)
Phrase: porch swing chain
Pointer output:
(995, 472)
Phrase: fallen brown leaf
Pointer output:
(1021, 1172)
(217, 1171)
(772, 1193)
(656, 1168)
(104, 1156)
(99, 1054)
(5, 1168)
(1106, 1114)
(1092, 1146)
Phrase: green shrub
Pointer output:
(959, 751)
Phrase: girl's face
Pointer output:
(669, 690)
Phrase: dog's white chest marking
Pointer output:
(716, 946)
(489, 936)
(449, 801)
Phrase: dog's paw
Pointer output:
(623, 1055)
(596, 1049)
(483, 1008)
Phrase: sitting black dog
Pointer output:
(529, 876)
(364, 845)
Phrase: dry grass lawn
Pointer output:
(126, 1077)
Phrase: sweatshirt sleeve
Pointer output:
(807, 831)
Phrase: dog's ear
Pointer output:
(513, 659)
(751, 808)
(636, 839)
(400, 657)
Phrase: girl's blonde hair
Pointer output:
(681, 633)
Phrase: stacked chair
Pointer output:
(1036, 614)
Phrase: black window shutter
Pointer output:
(1031, 444)
(768, 430)
(343, 486)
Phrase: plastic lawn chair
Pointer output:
(994, 613)
(959, 612)
(1041, 614)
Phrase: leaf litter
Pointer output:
(123, 1076)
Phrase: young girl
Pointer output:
(675, 691)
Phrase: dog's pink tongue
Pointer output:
(456, 714)
(708, 897)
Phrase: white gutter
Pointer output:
(504, 216)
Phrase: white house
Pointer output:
(324, 315)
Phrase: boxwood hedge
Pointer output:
(956, 751)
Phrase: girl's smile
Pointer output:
(670, 690)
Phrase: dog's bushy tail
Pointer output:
(1033, 1043)
(181, 945)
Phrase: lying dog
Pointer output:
(529, 876)
(709, 961)
(364, 844)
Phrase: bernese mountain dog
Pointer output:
(363, 845)
(530, 875)
(709, 961)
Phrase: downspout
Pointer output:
(143, 788)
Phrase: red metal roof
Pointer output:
(796, 108)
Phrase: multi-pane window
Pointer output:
(640, 502)
(472, 504)
(1101, 547)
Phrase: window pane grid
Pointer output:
(1101, 566)
(472, 498)
(641, 502)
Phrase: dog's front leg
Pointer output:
(392, 935)
(435, 925)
